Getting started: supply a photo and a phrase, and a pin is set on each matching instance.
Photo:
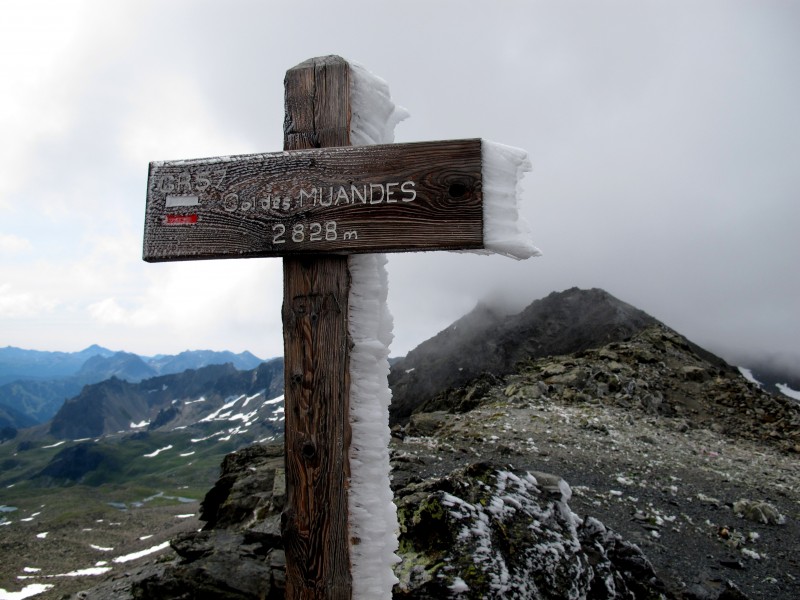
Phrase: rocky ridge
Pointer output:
(522, 541)
(167, 401)
(656, 371)
(488, 341)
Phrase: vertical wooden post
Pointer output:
(316, 350)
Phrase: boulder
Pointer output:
(238, 555)
(488, 532)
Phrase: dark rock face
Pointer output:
(98, 409)
(238, 555)
(485, 341)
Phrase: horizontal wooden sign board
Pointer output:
(390, 198)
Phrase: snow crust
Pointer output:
(155, 453)
(505, 231)
(552, 524)
(783, 388)
(372, 514)
(748, 374)
(459, 586)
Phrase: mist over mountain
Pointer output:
(488, 340)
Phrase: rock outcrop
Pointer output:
(488, 532)
(659, 372)
(238, 554)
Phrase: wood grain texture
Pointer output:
(389, 198)
(317, 372)
(317, 430)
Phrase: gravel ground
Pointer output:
(76, 547)
(679, 493)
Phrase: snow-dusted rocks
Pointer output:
(489, 532)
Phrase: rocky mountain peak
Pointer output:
(487, 340)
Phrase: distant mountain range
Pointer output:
(169, 401)
(215, 409)
(17, 363)
(34, 384)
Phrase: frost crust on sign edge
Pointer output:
(373, 114)
(372, 513)
(504, 230)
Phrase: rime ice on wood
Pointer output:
(373, 515)
(504, 230)
(373, 113)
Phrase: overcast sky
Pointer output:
(665, 140)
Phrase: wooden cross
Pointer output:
(314, 204)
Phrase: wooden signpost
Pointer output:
(313, 204)
(390, 198)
